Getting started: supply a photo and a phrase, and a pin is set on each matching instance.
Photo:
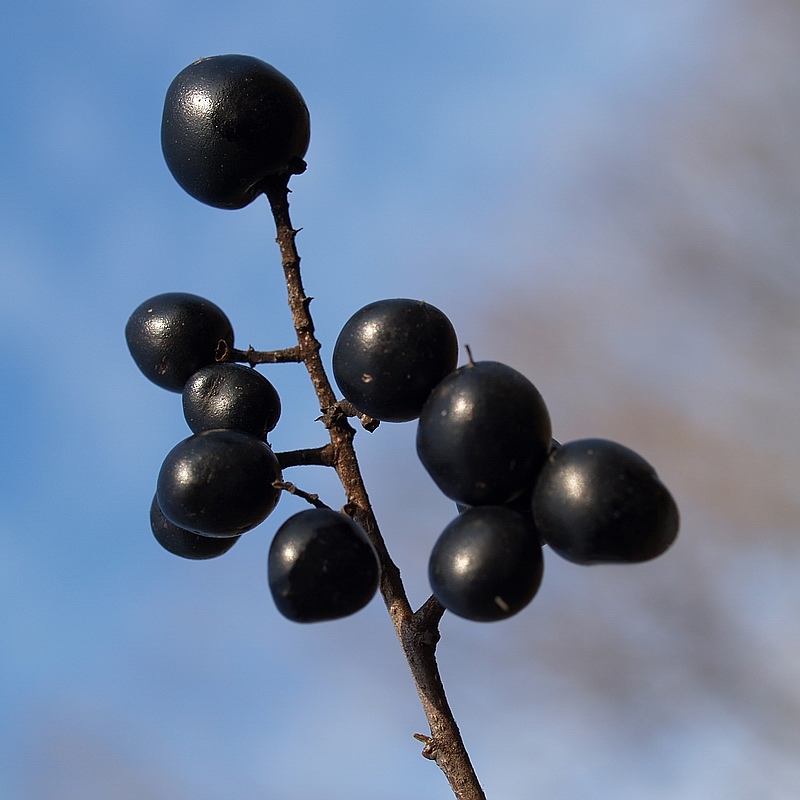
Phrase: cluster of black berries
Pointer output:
(224, 479)
(484, 436)
(230, 124)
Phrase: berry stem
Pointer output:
(252, 357)
(312, 456)
(313, 499)
(418, 632)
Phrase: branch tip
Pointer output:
(312, 499)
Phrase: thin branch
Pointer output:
(418, 633)
(429, 614)
(226, 353)
(367, 423)
(310, 457)
(313, 499)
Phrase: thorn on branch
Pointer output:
(333, 414)
(350, 509)
(429, 751)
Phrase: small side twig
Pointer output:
(368, 423)
(313, 499)
(428, 616)
(309, 457)
(226, 353)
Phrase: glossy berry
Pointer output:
(483, 434)
(172, 335)
(321, 566)
(231, 396)
(597, 501)
(487, 564)
(391, 354)
(229, 122)
(520, 505)
(218, 483)
(184, 543)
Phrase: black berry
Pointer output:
(185, 543)
(597, 501)
(172, 335)
(483, 434)
(321, 566)
(230, 122)
(231, 396)
(218, 483)
(390, 355)
(487, 564)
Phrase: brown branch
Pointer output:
(226, 353)
(310, 457)
(367, 423)
(418, 633)
(429, 614)
(313, 499)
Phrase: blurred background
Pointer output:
(603, 195)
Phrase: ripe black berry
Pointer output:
(184, 543)
(597, 501)
(390, 355)
(231, 396)
(172, 335)
(521, 505)
(487, 564)
(483, 434)
(218, 483)
(321, 566)
(229, 122)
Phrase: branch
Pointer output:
(313, 499)
(367, 423)
(418, 633)
(226, 352)
(313, 456)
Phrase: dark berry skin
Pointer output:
(230, 122)
(218, 483)
(597, 501)
(487, 564)
(483, 434)
(172, 335)
(321, 566)
(521, 505)
(391, 354)
(184, 543)
(231, 396)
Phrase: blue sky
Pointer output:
(577, 187)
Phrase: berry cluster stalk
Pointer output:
(418, 631)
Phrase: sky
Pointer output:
(600, 194)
